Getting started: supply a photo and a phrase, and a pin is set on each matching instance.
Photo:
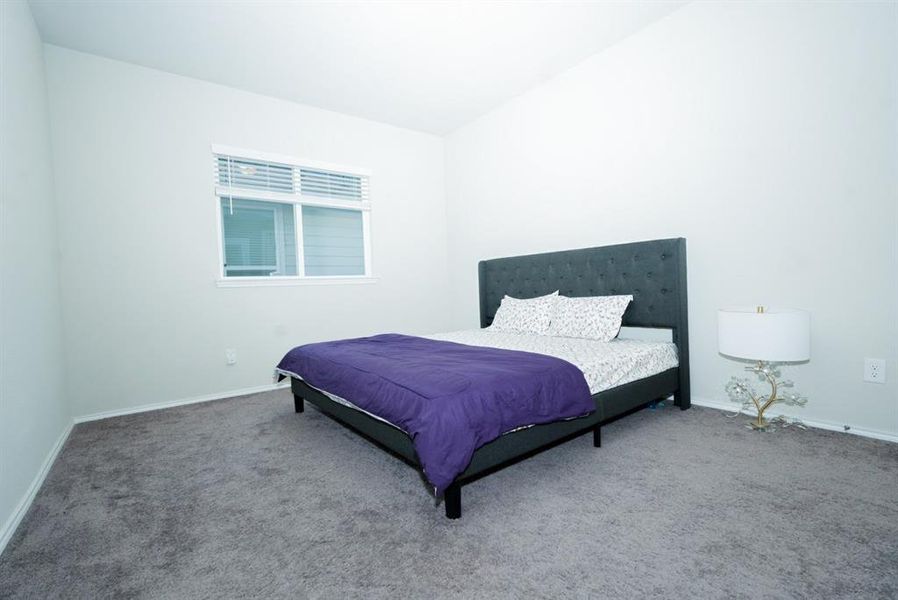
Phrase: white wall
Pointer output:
(765, 133)
(144, 320)
(33, 411)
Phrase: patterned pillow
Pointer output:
(593, 317)
(532, 315)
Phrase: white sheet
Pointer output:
(604, 364)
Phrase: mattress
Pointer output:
(605, 365)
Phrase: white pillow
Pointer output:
(532, 315)
(592, 317)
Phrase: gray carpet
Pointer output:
(243, 498)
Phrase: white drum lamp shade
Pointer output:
(775, 335)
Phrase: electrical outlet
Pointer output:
(875, 370)
(231, 356)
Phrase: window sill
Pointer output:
(289, 281)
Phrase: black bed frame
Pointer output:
(654, 272)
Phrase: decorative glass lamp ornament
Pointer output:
(766, 336)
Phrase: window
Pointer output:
(287, 220)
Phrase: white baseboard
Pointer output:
(12, 523)
(733, 407)
(172, 403)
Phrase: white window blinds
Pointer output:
(326, 184)
(256, 175)
(242, 173)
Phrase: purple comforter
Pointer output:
(449, 398)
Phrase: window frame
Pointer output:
(297, 200)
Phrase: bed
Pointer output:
(654, 272)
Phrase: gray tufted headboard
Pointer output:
(654, 272)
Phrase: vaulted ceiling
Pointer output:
(428, 65)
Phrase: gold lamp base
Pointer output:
(759, 424)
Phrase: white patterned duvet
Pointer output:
(605, 364)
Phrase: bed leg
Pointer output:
(597, 436)
(682, 400)
(298, 403)
(452, 499)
